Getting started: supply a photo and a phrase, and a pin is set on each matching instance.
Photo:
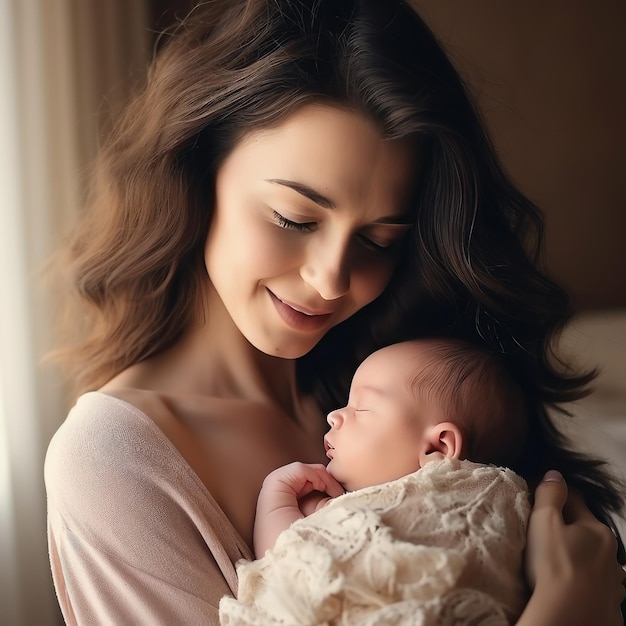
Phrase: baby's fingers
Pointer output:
(307, 477)
(328, 484)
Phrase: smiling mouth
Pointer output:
(301, 309)
(297, 318)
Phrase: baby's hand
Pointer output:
(300, 479)
(290, 493)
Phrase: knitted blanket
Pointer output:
(441, 546)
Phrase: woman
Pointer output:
(299, 183)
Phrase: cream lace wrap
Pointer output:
(442, 546)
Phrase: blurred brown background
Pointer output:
(550, 78)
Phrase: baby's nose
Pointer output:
(335, 418)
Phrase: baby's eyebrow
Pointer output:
(306, 191)
(372, 389)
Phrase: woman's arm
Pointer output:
(279, 506)
(571, 562)
(135, 538)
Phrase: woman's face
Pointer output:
(308, 219)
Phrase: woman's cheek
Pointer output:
(378, 273)
(372, 278)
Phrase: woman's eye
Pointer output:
(283, 222)
(377, 246)
(384, 243)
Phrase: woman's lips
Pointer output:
(296, 318)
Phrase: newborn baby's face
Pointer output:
(376, 437)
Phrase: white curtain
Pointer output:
(65, 66)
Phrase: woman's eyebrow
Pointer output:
(395, 220)
(327, 203)
(306, 191)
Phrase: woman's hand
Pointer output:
(571, 562)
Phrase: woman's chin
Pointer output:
(290, 349)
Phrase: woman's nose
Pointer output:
(327, 270)
(335, 418)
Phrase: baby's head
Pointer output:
(422, 400)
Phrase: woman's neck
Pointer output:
(224, 364)
(214, 359)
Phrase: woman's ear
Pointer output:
(441, 441)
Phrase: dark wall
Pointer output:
(550, 78)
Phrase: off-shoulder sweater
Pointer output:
(134, 536)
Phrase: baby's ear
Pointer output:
(441, 441)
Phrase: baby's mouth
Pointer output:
(329, 448)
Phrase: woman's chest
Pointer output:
(233, 445)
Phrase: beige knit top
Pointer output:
(134, 535)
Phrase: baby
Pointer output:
(422, 533)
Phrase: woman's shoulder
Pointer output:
(106, 440)
(131, 445)
(109, 455)
(118, 490)
(123, 424)
(101, 422)
(110, 451)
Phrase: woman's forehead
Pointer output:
(338, 153)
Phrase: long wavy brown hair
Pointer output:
(469, 269)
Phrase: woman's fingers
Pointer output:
(546, 520)
(575, 510)
(574, 553)
(551, 493)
